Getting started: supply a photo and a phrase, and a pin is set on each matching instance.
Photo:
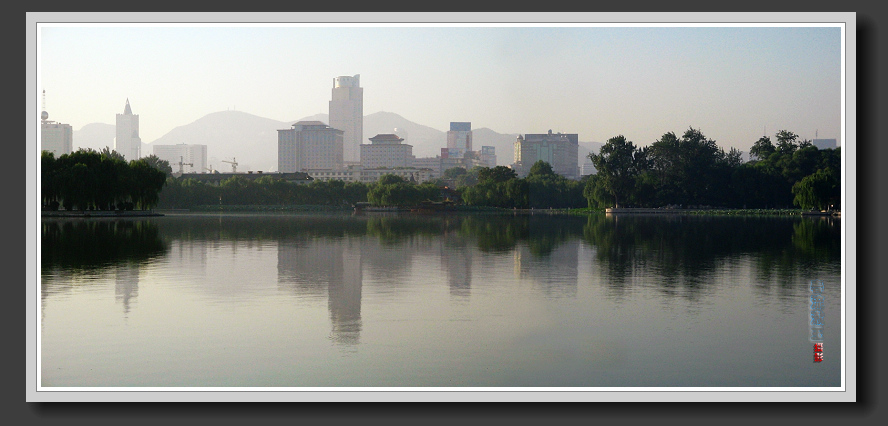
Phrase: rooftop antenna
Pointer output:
(815, 133)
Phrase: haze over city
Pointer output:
(734, 83)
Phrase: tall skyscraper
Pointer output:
(127, 141)
(347, 114)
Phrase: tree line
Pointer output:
(692, 170)
(100, 180)
(687, 171)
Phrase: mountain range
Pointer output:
(251, 140)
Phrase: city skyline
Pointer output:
(734, 83)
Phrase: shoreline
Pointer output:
(99, 213)
(453, 209)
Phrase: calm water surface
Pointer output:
(267, 300)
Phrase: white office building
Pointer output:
(56, 138)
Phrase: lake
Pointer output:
(449, 300)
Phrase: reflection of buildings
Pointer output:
(555, 272)
(126, 284)
(326, 266)
(456, 259)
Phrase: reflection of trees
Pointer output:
(684, 251)
(818, 238)
(494, 233)
(549, 231)
(392, 230)
(94, 247)
(95, 244)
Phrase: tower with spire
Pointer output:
(127, 141)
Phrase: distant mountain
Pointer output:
(426, 141)
(252, 140)
(231, 136)
(94, 136)
(503, 143)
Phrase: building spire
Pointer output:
(127, 110)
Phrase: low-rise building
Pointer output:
(369, 175)
(386, 150)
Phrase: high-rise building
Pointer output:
(487, 155)
(459, 137)
(309, 145)
(127, 141)
(386, 150)
(56, 138)
(183, 158)
(560, 150)
(347, 114)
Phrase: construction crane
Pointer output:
(183, 164)
(233, 164)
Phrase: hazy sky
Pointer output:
(732, 83)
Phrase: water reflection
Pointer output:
(685, 251)
(417, 298)
(83, 250)
(330, 266)
(332, 256)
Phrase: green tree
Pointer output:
(157, 163)
(814, 191)
(496, 174)
(786, 142)
(616, 167)
(541, 168)
(762, 148)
